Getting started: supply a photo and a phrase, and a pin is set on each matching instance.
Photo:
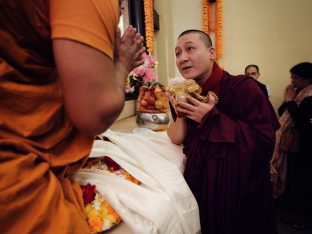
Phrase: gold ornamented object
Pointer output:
(177, 91)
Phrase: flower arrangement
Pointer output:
(143, 75)
(100, 214)
(152, 98)
(108, 164)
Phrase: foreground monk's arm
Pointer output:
(177, 130)
(91, 64)
(93, 85)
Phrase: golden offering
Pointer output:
(180, 88)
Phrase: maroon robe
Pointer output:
(228, 156)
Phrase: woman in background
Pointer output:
(292, 159)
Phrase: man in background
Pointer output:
(252, 70)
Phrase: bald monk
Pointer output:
(62, 75)
(228, 144)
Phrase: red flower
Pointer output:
(88, 193)
(111, 164)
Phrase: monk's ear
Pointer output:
(212, 52)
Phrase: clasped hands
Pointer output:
(129, 48)
(290, 93)
(194, 109)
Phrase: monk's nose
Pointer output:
(183, 58)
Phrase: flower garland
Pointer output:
(100, 215)
(149, 25)
(216, 28)
(218, 31)
(211, 26)
(205, 16)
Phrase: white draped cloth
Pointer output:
(162, 202)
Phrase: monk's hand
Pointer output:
(129, 48)
(194, 109)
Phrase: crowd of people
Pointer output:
(63, 67)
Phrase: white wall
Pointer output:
(275, 34)
(175, 16)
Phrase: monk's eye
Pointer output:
(190, 49)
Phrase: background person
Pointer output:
(60, 85)
(252, 70)
(228, 145)
(292, 159)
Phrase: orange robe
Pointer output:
(39, 147)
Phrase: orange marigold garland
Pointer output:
(218, 31)
(213, 27)
(205, 16)
(149, 25)
(100, 215)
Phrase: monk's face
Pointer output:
(193, 58)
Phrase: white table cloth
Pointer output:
(162, 203)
